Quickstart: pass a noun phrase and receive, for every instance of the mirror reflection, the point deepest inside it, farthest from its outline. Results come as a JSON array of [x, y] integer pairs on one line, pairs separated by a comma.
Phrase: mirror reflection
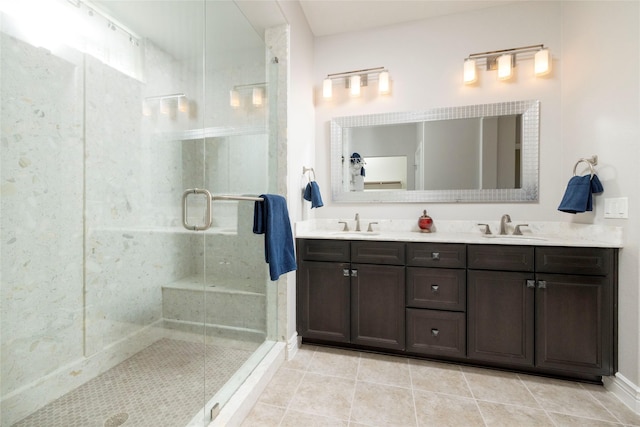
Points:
[[416, 156], [472, 153]]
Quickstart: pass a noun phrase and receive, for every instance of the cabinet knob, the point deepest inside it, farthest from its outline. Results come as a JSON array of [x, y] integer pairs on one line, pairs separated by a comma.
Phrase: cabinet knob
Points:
[[435, 332], [435, 255], [435, 288], [346, 272], [354, 273], [531, 283], [542, 284]]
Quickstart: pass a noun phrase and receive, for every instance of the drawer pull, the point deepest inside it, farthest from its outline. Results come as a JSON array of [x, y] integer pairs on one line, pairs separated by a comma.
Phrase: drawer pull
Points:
[[435, 255], [531, 283], [354, 273], [435, 288], [542, 284], [435, 332], [345, 272]]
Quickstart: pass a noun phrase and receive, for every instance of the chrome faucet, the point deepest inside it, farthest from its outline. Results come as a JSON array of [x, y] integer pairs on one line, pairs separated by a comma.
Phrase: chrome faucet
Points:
[[503, 224], [357, 222]]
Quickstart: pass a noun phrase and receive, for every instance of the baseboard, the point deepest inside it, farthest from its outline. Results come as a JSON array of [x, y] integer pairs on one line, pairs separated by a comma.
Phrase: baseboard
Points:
[[293, 345], [33, 396], [625, 390]]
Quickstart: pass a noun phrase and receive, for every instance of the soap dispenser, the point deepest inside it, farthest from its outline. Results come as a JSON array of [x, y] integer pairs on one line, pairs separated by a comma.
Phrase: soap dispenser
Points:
[[425, 222]]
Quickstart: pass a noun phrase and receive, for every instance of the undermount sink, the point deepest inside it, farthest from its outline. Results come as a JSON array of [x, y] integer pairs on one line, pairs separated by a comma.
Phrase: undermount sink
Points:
[[512, 237], [355, 233]]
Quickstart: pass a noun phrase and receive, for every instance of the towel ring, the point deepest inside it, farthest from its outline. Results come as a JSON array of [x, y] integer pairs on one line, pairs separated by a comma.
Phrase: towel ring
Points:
[[305, 170], [589, 162]]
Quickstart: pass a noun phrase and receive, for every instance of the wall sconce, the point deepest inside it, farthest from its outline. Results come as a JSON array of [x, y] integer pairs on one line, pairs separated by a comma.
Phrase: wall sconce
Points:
[[504, 60], [165, 103], [257, 94], [355, 80]]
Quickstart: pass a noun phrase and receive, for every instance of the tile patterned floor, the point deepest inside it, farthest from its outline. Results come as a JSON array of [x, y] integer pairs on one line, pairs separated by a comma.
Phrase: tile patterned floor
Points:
[[332, 387], [159, 386]]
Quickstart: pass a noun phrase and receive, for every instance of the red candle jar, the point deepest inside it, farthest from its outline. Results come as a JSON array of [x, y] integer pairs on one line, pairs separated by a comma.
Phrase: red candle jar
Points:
[[425, 223]]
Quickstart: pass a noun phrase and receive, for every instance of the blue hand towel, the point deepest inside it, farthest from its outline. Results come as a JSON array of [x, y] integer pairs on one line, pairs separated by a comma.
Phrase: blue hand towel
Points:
[[271, 218], [312, 194], [578, 196]]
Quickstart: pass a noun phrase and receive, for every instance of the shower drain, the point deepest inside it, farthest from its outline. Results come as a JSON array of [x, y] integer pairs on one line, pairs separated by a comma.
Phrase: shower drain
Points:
[[116, 420]]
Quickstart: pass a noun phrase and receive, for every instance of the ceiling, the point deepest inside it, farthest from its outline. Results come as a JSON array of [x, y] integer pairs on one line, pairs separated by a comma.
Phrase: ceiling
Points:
[[329, 17]]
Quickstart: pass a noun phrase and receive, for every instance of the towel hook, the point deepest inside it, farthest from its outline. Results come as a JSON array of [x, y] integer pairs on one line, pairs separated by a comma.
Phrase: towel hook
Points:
[[306, 169], [593, 160]]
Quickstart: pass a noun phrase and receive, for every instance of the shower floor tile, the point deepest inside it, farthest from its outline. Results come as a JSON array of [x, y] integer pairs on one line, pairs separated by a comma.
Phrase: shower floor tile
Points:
[[160, 386]]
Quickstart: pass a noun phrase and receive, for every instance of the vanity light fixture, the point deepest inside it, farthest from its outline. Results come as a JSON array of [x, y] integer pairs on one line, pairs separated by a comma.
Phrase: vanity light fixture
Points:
[[165, 103], [504, 61], [357, 79], [257, 94]]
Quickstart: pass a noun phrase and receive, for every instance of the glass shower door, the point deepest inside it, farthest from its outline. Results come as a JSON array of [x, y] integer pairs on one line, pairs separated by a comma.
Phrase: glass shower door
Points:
[[111, 311]]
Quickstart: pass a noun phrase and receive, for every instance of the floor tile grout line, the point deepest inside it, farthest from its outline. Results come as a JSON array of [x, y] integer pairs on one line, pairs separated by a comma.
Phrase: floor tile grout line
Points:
[[306, 371], [355, 387], [546, 412], [603, 405], [413, 394], [475, 400]]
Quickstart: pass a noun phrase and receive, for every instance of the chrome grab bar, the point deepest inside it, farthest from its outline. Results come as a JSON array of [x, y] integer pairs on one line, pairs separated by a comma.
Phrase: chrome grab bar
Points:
[[208, 220], [208, 210]]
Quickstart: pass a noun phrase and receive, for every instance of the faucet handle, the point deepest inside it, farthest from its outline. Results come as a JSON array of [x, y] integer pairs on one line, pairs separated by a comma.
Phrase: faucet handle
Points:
[[517, 231], [487, 230], [370, 229], [346, 226]]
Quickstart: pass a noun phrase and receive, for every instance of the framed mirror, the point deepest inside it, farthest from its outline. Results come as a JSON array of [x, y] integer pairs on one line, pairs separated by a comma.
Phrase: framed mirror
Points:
[[475, 153]]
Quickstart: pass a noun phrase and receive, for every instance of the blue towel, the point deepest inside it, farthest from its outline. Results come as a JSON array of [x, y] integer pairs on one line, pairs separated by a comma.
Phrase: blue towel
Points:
[[271, 218], [312, 194], [578, 196]]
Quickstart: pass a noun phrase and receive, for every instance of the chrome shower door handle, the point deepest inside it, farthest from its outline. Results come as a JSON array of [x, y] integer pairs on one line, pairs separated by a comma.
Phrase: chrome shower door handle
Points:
[[208, 220]]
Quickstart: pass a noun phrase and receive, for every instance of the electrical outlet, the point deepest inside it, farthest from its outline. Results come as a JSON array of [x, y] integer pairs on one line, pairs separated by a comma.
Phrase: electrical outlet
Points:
[[617, 207]]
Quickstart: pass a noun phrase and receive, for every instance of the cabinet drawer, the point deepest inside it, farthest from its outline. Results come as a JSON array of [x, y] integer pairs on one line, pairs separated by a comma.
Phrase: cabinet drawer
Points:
[[448, 255], [377, 252], [436, 332], [499, 257], [589, 261], [437, 288], [323, 250]]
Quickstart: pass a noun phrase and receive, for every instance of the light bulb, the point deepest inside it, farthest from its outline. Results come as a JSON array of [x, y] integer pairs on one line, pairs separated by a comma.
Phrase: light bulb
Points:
[[183, 104], [470, 75], [164, 106], [327, 88], [504, 67], [383, 83], [542, 62], [257, 96], [354, 85], [234, 98]]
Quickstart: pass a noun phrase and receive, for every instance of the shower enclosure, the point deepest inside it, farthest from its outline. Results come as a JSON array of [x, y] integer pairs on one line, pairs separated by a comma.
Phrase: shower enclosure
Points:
[[111, 312]]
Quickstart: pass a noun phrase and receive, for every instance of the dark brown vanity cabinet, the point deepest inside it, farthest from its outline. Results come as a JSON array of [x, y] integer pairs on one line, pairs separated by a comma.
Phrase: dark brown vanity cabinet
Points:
[[538, 309], [436, 299], [545, 307], [351, 292]]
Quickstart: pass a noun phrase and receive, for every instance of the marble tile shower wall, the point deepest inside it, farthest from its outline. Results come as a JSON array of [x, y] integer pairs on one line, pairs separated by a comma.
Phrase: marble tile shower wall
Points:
[[42, 231]]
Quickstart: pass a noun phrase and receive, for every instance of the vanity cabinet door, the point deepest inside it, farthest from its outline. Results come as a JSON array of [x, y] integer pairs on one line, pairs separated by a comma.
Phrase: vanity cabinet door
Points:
[[323, 300], [574, 323], [377, 306], [500, 316]]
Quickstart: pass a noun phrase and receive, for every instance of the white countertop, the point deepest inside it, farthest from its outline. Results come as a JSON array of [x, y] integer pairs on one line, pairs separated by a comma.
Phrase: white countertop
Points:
[[537, 233]]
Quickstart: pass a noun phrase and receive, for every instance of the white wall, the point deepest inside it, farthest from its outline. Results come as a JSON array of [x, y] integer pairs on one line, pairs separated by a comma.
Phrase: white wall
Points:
[[588, 106]]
